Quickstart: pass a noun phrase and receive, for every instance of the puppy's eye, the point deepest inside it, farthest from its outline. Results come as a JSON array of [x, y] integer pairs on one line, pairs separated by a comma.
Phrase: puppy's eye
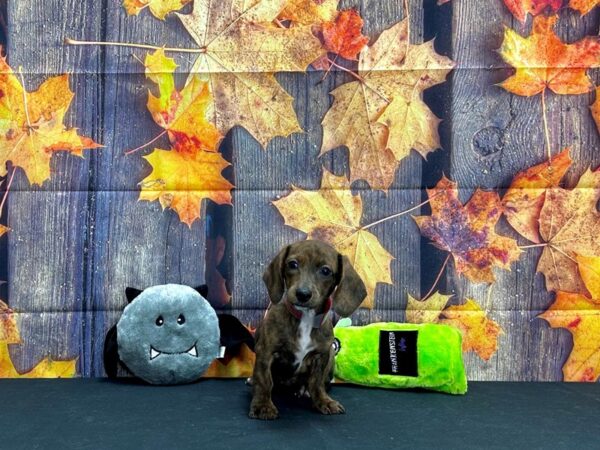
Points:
[[159, 321], [325, 271], [181, 319], [293, 264]]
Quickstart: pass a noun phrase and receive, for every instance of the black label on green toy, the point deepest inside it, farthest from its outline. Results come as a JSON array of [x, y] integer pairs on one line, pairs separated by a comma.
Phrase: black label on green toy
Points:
[[398, 353]]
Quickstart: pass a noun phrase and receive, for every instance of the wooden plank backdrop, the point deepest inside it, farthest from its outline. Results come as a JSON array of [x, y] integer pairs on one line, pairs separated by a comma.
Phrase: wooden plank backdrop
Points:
[[81, 238]]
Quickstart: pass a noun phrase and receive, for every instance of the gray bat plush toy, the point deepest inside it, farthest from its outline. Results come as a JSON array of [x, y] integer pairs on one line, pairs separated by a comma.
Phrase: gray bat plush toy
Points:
[[170, 334]]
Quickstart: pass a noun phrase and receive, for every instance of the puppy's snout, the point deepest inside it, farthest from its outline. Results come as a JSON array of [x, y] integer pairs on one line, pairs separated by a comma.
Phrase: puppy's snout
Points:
[[303, 294]]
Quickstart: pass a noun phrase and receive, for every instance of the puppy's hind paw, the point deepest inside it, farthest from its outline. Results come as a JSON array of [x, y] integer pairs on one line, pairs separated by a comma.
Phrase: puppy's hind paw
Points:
[[261, 411], [329, 407]]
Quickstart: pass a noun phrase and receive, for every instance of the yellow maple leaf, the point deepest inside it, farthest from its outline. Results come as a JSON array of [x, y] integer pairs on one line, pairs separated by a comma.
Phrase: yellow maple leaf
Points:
[[181, 179], [3, 230], [580, 314], [568, 223], [542, 61], [183, 114], [9, 334], [243, 49], [333, 214], [480, 334], [383, 116], [31, 125], [159, 8], [309, 12], [428, 310], [525, 197]]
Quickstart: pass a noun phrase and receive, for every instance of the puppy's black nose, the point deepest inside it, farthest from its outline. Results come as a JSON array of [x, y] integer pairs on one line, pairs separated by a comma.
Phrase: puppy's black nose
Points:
[[303, 295]]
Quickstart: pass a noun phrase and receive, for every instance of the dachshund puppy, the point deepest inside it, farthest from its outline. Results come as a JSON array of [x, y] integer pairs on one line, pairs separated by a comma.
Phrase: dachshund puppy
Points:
[[294, 342]]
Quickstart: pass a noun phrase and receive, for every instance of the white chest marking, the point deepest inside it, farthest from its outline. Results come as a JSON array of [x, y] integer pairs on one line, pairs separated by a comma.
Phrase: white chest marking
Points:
[[304, 344]]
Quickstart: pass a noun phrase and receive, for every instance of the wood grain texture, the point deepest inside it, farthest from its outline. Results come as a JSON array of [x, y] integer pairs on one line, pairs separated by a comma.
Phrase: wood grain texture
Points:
[[47, 247], [494, 135]]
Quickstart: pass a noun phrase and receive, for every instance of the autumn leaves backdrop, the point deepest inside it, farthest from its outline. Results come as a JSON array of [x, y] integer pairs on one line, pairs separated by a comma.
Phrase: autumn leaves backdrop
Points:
[[380, 117]]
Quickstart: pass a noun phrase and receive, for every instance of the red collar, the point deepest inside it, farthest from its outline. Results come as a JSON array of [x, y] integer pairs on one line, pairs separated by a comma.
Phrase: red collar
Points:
[[318, 319]]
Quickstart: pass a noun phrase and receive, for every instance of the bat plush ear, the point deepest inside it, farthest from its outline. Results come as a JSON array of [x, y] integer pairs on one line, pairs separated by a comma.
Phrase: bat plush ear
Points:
[[234, 334], [111, 353], [132, 293], [202, 290]]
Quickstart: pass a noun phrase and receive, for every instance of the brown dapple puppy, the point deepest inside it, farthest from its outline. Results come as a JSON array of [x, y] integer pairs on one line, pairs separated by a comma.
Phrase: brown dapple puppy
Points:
[[294, 342]]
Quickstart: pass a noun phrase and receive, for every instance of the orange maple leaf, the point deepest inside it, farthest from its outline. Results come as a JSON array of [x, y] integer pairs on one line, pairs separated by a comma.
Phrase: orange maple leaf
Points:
[[525, 197], [468, 232], [182, 178], [343, 35], [3, 230], [568, 224], [580, 314], [543, 61], [9, 334], [31, 125]]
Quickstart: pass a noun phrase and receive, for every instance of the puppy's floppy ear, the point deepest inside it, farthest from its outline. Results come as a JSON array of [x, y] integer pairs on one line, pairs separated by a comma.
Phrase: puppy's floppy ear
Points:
[[202, 290], [273, 276], [351, 290], [132, 293]]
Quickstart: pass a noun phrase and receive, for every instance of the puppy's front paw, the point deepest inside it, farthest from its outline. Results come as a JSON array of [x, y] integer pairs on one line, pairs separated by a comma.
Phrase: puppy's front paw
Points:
[[263, 411], [329, 406]]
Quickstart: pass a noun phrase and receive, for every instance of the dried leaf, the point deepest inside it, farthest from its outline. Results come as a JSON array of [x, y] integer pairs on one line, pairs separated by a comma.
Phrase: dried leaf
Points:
[[180, 180], [468, 232], [243, 48], [3, 230], [186, 114], [394, 75], [333, 214], [343, 35], [569, 224], [580, 315], [524, 199], [159, 8], [543, 61], [31, 125], [309, 12], [426, 311], [480, 334]]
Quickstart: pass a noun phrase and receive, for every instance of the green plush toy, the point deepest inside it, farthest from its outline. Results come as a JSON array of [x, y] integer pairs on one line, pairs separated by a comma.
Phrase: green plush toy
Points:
[[395, 355]]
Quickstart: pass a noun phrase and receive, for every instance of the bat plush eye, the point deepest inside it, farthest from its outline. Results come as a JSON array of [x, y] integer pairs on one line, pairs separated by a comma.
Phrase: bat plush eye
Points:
[[181, 319], [293, 264], [325, 271], [159, 321]]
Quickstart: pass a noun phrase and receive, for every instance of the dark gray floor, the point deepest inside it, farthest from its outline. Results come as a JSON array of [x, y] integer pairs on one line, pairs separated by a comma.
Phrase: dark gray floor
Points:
[[211, 414]]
